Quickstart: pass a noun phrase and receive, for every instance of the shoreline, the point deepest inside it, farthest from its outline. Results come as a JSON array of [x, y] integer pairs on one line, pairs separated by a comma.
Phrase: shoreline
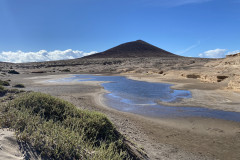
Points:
[[216, 98], [220, 99]]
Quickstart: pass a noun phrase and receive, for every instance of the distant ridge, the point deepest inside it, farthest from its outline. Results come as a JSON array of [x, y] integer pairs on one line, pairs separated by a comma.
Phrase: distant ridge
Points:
[[133, 49]]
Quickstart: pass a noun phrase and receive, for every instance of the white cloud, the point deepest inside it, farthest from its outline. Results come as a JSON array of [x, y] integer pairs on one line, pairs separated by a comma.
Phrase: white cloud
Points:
[[42, 55], [233, 52], [216, 53]]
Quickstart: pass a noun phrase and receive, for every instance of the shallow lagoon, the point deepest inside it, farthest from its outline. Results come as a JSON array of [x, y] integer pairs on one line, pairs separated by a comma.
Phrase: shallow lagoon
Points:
[[140, 98]]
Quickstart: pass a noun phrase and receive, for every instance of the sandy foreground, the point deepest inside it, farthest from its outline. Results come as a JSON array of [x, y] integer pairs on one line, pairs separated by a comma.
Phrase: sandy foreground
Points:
[[181, 138], [9, 148]]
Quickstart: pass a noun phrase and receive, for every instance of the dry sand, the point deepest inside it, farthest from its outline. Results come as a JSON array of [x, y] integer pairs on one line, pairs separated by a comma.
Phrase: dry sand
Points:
[[9, 148], [182, 138]]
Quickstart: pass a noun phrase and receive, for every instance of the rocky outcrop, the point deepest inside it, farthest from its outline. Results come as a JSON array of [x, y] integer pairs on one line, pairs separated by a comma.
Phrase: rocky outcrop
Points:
[[234, 83], [221, 78], [208, 77], [233, 55], [231, 61]]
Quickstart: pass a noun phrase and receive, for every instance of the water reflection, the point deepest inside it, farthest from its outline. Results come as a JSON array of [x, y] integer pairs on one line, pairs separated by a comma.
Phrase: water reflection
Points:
[[140, 98]]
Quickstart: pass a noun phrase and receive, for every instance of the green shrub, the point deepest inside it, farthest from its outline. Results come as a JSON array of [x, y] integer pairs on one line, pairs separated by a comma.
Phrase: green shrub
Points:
[[66, 70], [4, 83], [58, 130], [13, 72], [3, 91], [19, 86], [15, 91]]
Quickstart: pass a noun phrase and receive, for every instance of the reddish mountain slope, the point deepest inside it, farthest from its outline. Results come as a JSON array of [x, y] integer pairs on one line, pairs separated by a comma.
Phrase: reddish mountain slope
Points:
[[133, 49]]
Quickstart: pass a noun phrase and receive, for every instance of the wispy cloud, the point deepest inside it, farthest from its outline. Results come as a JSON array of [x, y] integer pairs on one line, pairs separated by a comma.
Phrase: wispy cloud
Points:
[[189, 48], [42, 55], [173, 3], [184, 2]]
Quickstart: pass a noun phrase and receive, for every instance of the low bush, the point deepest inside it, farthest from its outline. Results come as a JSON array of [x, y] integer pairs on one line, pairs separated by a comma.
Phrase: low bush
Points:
[[3, 91], [19, 86], [58, 130], [4, 83], [39, 72], [15, 91], [13, 72], [66, 70]]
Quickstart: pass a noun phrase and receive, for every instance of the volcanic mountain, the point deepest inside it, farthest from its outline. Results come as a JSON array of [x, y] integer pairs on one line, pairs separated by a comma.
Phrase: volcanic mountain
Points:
[[133, 49]]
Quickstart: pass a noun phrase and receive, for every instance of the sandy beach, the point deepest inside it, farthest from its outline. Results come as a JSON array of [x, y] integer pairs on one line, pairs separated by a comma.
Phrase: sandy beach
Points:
[[179, 138]]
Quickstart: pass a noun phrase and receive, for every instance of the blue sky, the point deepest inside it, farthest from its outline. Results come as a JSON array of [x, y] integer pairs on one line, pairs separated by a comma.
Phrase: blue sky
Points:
[[73, 28]]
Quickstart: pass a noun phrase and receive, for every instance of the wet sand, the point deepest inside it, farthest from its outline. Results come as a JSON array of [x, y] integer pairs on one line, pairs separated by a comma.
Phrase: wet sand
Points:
[[181, 138]]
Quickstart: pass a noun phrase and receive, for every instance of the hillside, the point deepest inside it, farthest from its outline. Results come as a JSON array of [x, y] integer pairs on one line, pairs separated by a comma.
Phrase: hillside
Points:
[[133, 49], [229, 67]]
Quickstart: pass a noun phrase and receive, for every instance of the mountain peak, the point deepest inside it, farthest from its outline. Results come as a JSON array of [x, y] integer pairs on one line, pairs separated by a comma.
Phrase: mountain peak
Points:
[[139, 41], [134, 49]]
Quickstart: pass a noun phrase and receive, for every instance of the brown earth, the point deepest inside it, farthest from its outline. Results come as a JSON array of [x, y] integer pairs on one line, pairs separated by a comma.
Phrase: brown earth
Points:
[[133, 49]]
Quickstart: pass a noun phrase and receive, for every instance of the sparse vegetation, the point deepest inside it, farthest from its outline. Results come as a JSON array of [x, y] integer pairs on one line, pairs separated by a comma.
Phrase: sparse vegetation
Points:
[[194, 76], [16, 91], [39, 71], [3, 91], [4, 83], [13, 72], [58, 130], [66, 70], [19, 86]]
